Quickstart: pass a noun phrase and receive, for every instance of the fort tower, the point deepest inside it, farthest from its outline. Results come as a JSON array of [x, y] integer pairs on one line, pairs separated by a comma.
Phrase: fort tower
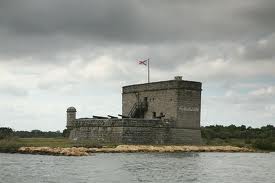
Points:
[[176, 100], [71, 117]]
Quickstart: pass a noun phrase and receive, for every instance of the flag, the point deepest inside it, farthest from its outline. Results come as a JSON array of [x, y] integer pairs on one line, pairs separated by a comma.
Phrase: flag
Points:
[[146, 63], [142, 62]]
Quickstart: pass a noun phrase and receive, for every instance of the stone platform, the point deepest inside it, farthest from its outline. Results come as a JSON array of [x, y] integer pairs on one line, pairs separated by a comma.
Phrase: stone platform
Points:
[[132, 131]]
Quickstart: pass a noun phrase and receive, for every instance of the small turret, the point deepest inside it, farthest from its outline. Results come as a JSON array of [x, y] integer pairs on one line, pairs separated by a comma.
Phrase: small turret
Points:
[[179, 78], [71, 116]]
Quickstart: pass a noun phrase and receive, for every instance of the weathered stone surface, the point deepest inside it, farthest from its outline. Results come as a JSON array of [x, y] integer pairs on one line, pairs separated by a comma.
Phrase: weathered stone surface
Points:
[[133, 131], [71, 116], [176, 102]]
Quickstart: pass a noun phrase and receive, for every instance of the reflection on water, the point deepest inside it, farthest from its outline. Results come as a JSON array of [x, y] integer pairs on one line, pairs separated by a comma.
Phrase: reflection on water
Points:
[[139, 167]]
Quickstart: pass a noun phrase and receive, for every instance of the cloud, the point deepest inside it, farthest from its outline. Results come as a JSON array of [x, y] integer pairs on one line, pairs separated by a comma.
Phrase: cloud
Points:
[[11, 90], [65, 52], [263, 49], [251, 108], [267, 91], [37, 27]]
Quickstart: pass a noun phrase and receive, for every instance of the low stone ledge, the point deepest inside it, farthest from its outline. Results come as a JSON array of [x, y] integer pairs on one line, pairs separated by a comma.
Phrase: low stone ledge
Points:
[[73, 151], [81, 151], [170, 149]]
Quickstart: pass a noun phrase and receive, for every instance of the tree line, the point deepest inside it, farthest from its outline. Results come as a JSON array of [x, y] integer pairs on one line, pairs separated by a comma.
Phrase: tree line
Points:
[[261, 138], [6, 132], [239, 132], [208, 132]]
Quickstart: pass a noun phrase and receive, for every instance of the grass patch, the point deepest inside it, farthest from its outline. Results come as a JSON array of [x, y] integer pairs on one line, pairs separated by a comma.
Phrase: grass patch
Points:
[[10, 145], [49, 142], [261, 144], [265, 144], [228, 141]]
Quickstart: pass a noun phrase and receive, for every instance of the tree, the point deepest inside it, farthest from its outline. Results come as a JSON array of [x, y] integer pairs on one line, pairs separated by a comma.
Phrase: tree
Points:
[[66, 133], [5, 132]]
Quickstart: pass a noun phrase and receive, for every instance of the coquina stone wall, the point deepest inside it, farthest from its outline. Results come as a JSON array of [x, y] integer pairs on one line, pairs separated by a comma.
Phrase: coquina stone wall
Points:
[[177, 100], [169, 114], [132, 131]]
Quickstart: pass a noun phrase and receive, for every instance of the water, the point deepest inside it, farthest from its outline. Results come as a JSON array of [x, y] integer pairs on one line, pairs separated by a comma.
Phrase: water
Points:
[[139, 167]]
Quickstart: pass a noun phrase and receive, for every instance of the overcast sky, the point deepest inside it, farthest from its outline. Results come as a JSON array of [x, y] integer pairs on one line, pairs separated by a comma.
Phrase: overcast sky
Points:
[[60, 53]]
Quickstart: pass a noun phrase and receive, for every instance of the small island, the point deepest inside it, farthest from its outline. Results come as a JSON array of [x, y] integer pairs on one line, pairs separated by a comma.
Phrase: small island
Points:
[[214, 139], [160, 116]]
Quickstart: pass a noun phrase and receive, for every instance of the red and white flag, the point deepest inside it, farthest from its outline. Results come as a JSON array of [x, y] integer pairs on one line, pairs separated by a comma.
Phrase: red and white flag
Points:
[[146, 63], [143, 62]]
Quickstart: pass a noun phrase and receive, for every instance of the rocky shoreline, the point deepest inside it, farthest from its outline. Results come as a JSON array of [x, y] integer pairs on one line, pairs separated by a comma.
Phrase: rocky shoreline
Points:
[[81, 151], [56, 151]]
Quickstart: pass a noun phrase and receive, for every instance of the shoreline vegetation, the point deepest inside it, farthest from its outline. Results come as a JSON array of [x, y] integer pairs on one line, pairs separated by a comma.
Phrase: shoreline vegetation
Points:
[[214, 139], [65, 147]]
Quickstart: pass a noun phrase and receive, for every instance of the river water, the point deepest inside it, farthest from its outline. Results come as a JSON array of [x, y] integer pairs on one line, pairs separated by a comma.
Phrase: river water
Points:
[[139, 167]]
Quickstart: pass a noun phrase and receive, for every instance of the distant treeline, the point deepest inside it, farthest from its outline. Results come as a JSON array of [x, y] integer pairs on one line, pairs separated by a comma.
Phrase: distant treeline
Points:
[[8, 132], [37, 133], [261, 138], [208, 132], [239, 132]]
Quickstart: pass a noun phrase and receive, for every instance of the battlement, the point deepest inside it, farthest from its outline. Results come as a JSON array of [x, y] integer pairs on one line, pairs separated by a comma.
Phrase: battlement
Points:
[[163, 85], [126, 122]]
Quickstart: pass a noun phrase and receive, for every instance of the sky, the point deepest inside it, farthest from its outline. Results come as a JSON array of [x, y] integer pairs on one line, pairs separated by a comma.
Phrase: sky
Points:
[[57, 54]]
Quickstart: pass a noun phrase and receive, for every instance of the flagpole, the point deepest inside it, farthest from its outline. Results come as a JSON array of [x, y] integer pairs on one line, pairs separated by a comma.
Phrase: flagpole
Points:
[[148, 70]]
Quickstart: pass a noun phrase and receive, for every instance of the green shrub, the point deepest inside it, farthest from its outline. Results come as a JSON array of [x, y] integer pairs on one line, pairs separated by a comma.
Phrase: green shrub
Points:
[[9, 145], [247, 141], [5, 132], [66, 133], [264, 144]]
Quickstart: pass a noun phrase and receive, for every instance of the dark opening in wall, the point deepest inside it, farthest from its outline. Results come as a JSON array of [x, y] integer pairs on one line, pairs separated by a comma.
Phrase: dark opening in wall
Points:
[[145, 99], [154, 114]]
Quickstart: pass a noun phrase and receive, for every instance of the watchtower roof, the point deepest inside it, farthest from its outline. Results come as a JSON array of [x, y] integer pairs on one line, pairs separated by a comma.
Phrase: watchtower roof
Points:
[[71, 109]]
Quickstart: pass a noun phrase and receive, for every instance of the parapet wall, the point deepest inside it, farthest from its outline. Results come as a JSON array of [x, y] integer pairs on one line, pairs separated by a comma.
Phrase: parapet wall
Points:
[[125, 122], [163, 85], [132, 131]]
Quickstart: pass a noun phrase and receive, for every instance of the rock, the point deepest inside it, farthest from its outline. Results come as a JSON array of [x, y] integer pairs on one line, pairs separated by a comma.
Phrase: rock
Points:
[[81, 151], [55, 151]]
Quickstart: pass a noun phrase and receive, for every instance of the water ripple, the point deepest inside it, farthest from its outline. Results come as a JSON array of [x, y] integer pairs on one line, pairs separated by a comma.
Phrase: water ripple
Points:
[[139, 167]]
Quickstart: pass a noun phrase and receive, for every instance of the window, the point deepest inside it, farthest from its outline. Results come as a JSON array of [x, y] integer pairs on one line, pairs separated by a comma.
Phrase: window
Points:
[[154, 114]]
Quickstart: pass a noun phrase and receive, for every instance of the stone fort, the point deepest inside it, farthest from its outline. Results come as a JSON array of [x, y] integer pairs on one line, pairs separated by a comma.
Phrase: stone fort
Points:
[[165, 112]]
